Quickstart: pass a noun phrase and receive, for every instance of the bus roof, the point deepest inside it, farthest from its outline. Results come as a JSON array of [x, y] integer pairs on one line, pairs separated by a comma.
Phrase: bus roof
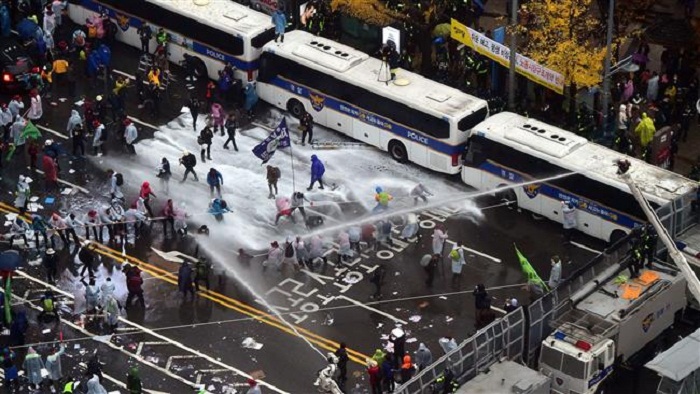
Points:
[[570, 151], [358, 68], [225, 15]]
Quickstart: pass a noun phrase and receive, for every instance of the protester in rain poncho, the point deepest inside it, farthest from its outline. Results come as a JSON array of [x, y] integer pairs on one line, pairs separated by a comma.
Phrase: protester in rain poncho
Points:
[[411, 227], [218, 208], [344, 249], [275, 255], [645, 130], [439, 238], [92, 295], [355, 234], [316, 248], [107, 290], [457, 261], [181, 219], [111, 310], [22, 194], [53, 365], [33, 366], [302, 252], [290, 254], [384, 232], [420, 192], [423, 356], [284, 208], [94, 386]]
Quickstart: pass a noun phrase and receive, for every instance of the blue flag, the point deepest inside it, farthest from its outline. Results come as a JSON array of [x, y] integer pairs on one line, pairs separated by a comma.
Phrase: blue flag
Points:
[[279, 138]]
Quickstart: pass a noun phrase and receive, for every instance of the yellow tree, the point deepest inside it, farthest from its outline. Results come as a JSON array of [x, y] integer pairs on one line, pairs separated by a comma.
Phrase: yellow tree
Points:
[[371, 11], [567, 37]]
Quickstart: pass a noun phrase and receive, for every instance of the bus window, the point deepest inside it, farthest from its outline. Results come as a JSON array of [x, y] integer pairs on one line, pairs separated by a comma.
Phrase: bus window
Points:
[[262, 38], [469, 121], [474, 155], [269, 67]]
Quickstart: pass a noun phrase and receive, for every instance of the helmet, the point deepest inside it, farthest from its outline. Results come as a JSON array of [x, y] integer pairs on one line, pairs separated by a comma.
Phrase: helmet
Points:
[[378, 189], [98, 98], [127, 122], [22, 178], [95, 123], [48, 142], [185, 152]]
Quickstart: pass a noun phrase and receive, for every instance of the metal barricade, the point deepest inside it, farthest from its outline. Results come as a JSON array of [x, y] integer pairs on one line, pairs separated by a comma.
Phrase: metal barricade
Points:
[[502, 338], [555, 303], [517, 335]]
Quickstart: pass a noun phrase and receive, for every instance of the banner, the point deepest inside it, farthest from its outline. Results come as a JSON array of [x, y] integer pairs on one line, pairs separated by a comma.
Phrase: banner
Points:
[[501, 54], [529, 271], [279, 138]]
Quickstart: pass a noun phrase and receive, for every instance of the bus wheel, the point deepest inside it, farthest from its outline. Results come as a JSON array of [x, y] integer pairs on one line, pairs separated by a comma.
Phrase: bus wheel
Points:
[[616, 236], [508, 197], [398, 151], [295, 107]]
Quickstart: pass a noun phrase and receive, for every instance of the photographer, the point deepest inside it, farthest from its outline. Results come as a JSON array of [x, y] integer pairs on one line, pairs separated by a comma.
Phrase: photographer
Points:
[[390, 57]]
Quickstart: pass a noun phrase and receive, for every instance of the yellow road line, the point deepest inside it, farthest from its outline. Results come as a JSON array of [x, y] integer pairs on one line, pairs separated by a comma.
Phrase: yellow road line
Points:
[[220, 299]]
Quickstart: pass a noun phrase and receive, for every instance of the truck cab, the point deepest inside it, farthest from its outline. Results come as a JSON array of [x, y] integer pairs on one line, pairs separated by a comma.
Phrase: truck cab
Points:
[[576, 361]]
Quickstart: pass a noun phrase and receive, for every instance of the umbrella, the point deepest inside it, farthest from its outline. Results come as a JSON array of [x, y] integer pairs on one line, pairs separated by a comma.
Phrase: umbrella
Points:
[[10, 260], [31, 132]]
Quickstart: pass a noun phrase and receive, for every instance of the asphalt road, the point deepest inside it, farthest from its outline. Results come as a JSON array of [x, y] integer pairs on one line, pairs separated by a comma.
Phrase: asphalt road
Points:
[[179, 343]]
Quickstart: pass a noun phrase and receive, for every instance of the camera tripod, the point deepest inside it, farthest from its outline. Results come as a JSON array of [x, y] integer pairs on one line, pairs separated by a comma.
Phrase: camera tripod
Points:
[[384, 68]]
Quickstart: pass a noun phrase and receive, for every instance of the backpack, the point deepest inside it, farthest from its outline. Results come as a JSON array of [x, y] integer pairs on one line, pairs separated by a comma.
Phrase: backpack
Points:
[[276, 172], [134, 281], [120, 179], [289, 251], [48, 304]]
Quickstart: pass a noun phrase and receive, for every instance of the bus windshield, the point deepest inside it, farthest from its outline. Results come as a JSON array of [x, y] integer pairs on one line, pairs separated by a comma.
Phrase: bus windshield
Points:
[[469, 121], [262, 38]]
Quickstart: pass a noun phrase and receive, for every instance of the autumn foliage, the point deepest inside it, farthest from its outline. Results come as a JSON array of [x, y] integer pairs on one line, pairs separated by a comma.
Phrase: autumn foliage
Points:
[[370, 11], [567, 37]]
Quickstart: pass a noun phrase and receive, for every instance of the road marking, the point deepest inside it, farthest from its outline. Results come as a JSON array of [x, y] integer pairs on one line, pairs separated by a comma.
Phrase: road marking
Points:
[[52, 131], [482, 254], [114, 70], [194, 352], [584, 247], [137, 120], [369, 308], [220, 299], [231, 303], [82, 189], [93, 336], [172, 256]]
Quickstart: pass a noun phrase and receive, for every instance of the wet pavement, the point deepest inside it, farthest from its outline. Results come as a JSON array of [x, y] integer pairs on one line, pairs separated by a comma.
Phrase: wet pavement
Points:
[[180, 343]]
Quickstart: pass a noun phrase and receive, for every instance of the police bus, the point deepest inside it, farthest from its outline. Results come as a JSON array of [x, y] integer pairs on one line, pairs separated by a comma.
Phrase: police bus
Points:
[[509, 148], [415, 119], [218, 33]]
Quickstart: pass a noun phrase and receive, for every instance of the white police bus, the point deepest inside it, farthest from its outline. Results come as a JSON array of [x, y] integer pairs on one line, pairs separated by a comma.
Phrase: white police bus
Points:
[[218, 33], [509, 148], [423, 122]]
